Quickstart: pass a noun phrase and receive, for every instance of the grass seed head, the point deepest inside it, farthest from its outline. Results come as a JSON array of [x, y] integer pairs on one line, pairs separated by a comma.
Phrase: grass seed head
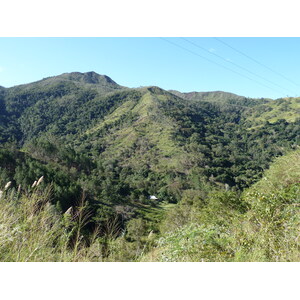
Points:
[[7, 185], [40, 180], [69, 211]]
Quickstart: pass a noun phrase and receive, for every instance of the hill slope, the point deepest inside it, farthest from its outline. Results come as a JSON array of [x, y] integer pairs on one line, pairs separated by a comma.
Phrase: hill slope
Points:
[[261, 225], [281, 109]]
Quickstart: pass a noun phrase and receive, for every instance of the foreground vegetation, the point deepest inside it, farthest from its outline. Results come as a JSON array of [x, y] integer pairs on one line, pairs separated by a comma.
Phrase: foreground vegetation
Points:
[[261, 224], [32, 229]]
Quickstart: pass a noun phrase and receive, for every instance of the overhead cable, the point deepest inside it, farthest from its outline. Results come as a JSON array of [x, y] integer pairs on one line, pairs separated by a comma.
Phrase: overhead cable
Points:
[[220, 65], [256, 61], [235, 64]]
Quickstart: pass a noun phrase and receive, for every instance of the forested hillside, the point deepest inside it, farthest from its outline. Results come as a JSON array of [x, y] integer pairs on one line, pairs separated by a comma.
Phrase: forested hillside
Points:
[[105, 149]]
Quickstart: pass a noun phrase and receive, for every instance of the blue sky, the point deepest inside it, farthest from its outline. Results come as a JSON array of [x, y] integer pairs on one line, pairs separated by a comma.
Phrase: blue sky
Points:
[[180, 65]]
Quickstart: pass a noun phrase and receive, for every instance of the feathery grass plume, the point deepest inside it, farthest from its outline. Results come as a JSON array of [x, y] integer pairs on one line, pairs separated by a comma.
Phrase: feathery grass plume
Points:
[[32, 229], [82, 218], [19, 188], [7, 185], [34, 184], [40, 180], [150, 234], [29, 234], [1, 193], [68, 211]]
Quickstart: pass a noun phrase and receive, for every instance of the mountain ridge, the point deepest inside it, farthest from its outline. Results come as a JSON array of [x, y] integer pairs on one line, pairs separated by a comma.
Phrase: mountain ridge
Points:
[[93, 78], [204, 95]]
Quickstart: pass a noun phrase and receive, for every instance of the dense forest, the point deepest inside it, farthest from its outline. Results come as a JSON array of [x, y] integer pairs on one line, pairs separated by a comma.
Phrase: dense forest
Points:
[[224, 170]]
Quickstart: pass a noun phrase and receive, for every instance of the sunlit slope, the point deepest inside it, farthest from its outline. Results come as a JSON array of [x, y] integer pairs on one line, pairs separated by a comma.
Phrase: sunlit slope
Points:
[[217, 96], [284, 172], [138, 132], [284, 108]]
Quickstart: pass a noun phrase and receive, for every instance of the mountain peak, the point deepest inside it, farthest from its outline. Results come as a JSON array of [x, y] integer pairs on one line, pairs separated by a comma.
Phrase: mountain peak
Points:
[[102, 83], [88, 77]]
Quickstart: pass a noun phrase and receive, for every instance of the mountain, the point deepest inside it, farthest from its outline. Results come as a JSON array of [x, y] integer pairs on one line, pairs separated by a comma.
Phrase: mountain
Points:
[[153, 141], [194, 134], [114, 147]]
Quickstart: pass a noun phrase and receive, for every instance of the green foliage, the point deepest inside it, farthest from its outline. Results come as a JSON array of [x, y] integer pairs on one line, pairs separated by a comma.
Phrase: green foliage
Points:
[[272, 223], [195, 242], [269, 230], [260, 225], [284, 172]]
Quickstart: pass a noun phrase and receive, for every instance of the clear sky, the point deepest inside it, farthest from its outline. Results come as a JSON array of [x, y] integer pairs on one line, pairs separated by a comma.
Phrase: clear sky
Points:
[[189, 64]]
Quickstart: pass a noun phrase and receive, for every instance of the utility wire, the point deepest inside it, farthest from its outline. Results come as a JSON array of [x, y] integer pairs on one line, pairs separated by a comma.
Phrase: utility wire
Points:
[[235, 64], [259, 63], [205, 58]]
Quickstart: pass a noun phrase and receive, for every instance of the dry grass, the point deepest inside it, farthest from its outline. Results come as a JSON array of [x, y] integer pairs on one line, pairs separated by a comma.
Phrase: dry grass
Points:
[[31, 229]]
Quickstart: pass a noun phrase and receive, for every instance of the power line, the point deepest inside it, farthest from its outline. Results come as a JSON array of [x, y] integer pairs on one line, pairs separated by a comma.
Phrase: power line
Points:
[[259, 63], [235, 64], [211, 61]]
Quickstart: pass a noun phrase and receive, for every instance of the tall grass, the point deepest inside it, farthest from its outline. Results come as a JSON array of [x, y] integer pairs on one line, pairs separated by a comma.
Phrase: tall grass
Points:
[[270, 230], [31, 229]]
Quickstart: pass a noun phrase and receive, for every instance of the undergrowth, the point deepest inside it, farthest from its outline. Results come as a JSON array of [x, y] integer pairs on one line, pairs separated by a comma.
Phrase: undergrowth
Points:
[[260, 224]]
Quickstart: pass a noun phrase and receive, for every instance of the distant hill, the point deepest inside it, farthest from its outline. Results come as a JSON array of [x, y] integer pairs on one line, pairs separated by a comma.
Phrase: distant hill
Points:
[[208, 96], [281, 109], [220, 98]]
